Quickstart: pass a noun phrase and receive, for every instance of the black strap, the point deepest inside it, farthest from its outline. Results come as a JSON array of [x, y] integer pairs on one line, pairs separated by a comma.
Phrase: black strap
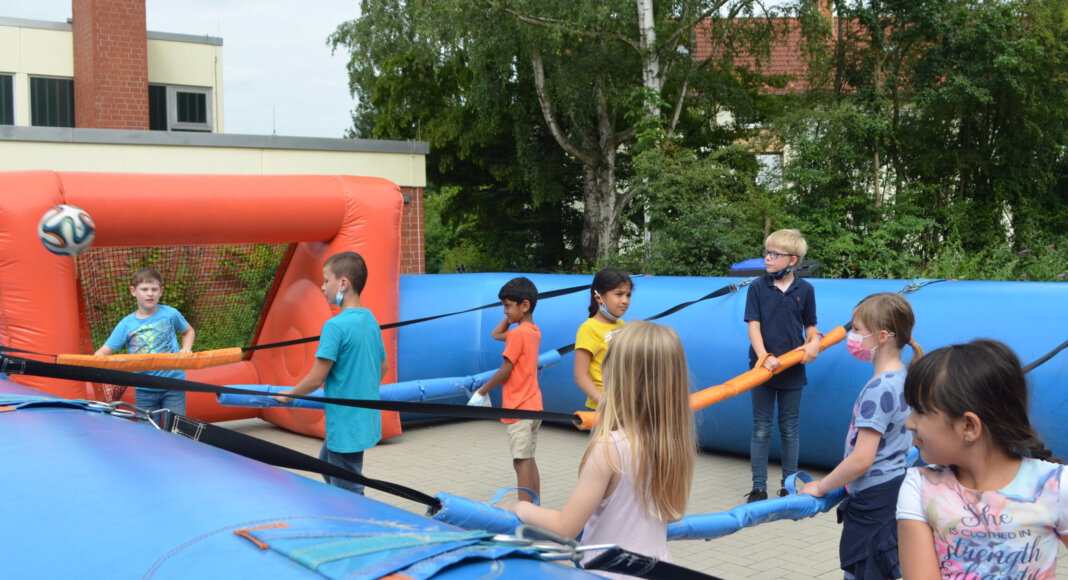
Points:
[[621, 561], [279, 456], [21, 351], [22, 366], [722, 291], [541, 296], [1042, 359]]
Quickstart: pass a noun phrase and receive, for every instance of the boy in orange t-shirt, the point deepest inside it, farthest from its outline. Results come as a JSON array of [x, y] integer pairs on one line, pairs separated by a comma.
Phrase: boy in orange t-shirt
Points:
[[519, 375]]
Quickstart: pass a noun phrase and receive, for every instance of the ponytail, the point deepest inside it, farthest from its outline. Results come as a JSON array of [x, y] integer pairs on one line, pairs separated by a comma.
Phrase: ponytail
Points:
[[917, 350], [1034, 447]]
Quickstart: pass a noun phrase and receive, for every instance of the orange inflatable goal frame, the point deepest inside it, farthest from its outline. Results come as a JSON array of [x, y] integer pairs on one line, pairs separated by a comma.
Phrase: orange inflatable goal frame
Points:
[[321, 214]]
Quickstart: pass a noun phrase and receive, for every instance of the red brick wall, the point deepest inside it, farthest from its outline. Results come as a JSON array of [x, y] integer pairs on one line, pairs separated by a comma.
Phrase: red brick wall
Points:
[[110, 64], [412, 250]]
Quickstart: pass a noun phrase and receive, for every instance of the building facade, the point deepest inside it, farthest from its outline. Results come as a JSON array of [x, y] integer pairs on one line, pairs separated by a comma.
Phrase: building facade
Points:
[[102, 93]]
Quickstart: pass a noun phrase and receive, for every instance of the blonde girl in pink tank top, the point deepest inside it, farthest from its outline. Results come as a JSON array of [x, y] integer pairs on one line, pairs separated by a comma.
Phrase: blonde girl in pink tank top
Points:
[[635, 475]]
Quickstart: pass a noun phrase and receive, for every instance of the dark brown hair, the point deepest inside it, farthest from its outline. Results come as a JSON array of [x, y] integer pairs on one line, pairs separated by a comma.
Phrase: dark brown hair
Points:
[[605, 281], [349, 265], [985, 378], [519, 289], [145, 275]]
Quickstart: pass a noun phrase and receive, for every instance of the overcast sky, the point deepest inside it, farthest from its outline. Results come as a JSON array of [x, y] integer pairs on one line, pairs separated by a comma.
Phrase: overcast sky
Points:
[[278, 74]]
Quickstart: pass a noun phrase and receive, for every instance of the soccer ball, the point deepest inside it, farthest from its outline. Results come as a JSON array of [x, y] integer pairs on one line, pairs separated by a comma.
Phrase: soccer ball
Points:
[[66, 230]]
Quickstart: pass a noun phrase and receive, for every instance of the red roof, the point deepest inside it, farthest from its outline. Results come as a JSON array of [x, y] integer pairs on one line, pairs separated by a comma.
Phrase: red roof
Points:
[[786, 56]]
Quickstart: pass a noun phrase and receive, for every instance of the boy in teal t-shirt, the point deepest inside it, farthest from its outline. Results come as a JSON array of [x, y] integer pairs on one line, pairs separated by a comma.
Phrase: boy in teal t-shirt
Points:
[[350, 364]]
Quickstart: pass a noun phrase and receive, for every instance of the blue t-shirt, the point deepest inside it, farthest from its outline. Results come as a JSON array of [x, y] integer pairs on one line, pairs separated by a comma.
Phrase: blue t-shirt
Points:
[[783, 317], [353, 341], [881, 406], [157, 333]]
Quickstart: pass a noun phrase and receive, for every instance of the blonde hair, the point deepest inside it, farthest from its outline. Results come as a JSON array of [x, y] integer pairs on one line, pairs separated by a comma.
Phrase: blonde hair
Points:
[[790, 240], [890, 311], [647, 397]]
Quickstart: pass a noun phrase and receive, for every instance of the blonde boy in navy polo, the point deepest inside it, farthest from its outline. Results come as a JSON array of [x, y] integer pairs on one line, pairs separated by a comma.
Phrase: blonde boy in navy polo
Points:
[[781, 313]]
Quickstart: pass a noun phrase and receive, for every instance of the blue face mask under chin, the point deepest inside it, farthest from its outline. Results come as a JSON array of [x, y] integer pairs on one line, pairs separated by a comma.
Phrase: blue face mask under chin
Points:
[[607, 314], [339, 297], [778, 275]]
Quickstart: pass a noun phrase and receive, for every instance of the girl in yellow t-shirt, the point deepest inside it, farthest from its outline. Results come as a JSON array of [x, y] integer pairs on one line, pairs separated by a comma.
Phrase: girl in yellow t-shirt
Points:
[[609, 301]]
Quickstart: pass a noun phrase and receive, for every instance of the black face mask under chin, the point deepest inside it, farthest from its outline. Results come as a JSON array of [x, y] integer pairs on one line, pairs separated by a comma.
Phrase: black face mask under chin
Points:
[[778, 275]]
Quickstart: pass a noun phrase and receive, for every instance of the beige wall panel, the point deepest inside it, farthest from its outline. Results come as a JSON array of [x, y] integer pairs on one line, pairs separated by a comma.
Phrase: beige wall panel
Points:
[[9, 49], [406, 170], [46, 52], [184, 63], [189, 64]]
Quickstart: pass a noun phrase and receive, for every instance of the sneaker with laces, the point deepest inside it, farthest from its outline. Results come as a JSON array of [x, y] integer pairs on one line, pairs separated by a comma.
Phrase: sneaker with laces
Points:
[[783, 492], [756, 495]]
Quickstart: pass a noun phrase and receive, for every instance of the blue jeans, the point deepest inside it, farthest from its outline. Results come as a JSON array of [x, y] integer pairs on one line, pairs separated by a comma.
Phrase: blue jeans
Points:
[[155, 400], [350, 461], [790, 444]]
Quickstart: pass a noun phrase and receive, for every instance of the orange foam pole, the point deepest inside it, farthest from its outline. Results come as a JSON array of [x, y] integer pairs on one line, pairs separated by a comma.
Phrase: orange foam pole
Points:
[[158, 361], [586, 420], [758, 376]]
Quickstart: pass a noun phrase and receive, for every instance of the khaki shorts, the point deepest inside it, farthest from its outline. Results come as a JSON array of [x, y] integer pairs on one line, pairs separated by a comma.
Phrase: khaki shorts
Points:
[[523, 438]]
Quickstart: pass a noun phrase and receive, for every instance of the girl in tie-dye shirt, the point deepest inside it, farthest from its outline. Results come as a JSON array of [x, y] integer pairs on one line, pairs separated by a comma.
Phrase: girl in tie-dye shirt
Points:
[[991, 504]]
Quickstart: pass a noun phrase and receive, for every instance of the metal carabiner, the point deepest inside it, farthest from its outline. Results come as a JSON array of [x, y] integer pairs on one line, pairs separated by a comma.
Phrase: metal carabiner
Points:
[[130, 411], [554, 546]]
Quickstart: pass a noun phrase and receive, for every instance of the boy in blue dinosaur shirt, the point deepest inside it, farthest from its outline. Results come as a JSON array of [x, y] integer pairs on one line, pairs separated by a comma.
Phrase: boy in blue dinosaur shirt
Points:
[[153, 327]]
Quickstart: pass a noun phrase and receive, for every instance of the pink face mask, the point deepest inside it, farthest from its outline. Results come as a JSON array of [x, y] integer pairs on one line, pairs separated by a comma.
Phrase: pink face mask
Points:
[[853, 344]]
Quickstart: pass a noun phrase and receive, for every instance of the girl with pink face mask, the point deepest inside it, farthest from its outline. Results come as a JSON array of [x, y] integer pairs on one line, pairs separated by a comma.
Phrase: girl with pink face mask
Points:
[[877, 443]]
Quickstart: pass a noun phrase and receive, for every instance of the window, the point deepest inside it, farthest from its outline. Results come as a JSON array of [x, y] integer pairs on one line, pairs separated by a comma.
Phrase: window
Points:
[[157, 108], [51, 102], [172, 108], [769, 174], [7, 100]]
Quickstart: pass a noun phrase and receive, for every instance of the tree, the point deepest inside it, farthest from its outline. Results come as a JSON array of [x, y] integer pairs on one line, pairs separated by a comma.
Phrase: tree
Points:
[[461, 74], [706, 210], [990, 96], [507, 189], [943, 126]]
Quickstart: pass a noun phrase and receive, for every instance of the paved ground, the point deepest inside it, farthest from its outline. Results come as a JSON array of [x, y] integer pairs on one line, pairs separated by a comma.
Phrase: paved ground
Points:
[[471, 459]]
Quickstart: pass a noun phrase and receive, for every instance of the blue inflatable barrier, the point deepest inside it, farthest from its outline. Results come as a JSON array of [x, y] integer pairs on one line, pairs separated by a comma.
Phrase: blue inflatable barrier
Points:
[[95, 496], [1024, 315]]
